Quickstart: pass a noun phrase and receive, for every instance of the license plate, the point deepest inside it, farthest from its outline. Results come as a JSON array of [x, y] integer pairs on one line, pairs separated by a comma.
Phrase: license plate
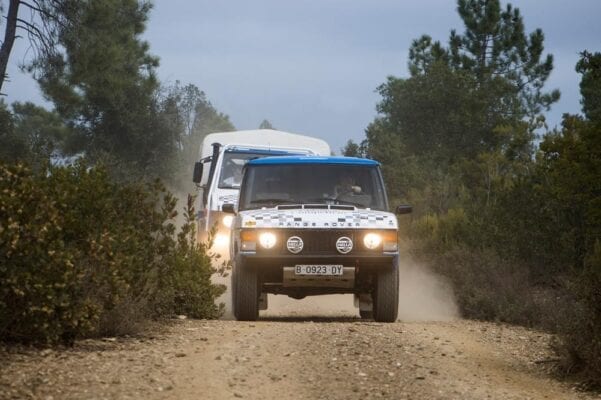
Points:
[[313, 269]]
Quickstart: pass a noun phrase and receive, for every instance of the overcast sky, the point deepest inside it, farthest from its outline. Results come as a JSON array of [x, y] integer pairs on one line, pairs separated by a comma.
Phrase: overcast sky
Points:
[[312, 66]]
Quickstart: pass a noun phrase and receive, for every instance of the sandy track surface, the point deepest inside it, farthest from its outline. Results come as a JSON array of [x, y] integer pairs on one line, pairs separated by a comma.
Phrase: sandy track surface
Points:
[[299, 357]]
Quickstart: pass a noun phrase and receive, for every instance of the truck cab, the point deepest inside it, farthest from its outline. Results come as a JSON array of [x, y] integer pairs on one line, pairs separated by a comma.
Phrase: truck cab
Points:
[[218, 173], [308, 225]]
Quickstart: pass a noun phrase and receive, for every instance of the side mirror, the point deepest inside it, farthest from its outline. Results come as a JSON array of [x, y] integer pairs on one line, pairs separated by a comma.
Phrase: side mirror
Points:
[[196, 178], [228, 208], [403, 209]]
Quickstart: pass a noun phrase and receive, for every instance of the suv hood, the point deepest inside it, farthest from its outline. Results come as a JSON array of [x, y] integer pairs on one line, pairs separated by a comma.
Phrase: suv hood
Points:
[[316, 217]]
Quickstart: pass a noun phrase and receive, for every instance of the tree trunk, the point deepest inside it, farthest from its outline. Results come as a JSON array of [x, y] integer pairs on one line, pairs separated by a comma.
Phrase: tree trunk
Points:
[[9, 38]]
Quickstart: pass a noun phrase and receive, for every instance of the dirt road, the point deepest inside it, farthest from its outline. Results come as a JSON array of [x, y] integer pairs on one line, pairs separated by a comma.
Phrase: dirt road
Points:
[[302, 357]]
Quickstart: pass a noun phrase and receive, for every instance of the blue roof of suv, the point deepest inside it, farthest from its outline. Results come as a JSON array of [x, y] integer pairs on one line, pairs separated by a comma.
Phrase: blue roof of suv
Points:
[[312, 160]]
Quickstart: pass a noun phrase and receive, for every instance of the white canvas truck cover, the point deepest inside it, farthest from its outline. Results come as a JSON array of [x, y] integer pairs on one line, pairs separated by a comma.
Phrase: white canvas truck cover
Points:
[[264, 138]]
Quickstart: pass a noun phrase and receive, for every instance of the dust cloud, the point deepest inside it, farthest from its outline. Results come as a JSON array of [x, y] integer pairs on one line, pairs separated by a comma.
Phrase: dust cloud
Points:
[[424, 295], [334, 305]]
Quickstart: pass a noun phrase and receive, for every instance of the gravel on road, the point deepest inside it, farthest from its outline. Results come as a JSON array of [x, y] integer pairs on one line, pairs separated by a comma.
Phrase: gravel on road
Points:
[[294, 358]]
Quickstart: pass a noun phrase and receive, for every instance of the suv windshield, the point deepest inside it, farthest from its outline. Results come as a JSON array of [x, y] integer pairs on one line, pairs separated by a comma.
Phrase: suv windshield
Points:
[[271, 185]]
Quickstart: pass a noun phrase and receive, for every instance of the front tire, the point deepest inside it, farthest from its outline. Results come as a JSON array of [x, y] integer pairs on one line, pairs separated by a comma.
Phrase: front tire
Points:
[[386, 296], [245, 293]]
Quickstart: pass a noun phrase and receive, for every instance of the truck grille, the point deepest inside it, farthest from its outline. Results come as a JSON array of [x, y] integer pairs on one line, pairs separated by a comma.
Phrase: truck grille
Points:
[[319, 241]]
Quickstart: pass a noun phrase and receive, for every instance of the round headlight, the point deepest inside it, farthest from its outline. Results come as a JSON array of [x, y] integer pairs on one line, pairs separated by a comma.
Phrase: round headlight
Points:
[[372, 240], [267, 240], [227, 221]]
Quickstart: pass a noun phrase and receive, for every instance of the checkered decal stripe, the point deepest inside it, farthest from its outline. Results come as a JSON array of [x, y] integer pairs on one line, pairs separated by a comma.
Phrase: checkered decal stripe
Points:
[[318, 219]]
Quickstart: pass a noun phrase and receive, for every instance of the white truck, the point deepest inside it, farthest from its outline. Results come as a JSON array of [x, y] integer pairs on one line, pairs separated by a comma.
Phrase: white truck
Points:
[[224, 154]]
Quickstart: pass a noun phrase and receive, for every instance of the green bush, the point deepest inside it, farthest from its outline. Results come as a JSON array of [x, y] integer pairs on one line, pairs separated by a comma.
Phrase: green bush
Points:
[[582, 325], [80, 254], [186, 283], [488, 284], [487, 287], [443, 230]]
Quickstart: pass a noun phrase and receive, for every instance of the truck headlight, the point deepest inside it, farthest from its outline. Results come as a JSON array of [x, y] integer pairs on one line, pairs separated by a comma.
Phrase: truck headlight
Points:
[[227, 221], [385, 240], [372, 240], [267, 240], [221, 240]]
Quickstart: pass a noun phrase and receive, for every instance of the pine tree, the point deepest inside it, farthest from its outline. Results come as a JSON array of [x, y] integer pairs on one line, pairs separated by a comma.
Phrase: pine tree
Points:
[[103, 83]]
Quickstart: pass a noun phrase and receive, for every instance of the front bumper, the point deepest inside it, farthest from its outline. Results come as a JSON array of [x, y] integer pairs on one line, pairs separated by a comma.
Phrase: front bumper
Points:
[[274, 272], [266, 262]]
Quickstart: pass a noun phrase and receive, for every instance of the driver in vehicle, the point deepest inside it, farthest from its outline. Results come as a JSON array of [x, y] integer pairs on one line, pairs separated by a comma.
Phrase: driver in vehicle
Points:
[[346, 186], [234, 175], [349, 192]]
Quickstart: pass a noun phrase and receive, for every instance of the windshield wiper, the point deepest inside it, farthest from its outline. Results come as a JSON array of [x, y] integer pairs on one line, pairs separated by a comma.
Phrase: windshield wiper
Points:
[[351, 203], [337, 200], [327, 198]]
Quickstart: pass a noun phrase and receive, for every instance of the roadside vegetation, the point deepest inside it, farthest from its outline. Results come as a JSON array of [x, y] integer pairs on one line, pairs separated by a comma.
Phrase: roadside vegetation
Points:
[[83, 256], [89, 243], [507, 209]]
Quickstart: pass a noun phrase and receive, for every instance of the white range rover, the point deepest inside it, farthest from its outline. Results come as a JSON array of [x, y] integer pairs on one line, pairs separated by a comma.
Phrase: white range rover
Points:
[[308, 225]]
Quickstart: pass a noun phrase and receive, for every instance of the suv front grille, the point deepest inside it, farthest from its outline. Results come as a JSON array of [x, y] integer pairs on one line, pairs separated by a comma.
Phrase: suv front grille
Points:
[[319, 241]]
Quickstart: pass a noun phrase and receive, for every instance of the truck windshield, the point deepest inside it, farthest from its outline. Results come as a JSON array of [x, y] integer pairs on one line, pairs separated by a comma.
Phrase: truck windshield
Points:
[[271, 185], [231, 168]]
